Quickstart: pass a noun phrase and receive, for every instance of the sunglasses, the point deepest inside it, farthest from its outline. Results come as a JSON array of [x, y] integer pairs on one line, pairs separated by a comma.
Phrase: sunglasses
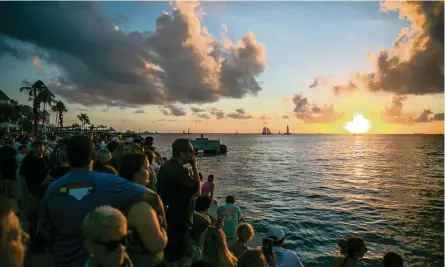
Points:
[[112, 245]]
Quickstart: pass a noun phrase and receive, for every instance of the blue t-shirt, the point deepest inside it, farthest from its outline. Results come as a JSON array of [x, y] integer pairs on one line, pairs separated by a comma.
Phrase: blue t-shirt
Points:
[[70, 198]]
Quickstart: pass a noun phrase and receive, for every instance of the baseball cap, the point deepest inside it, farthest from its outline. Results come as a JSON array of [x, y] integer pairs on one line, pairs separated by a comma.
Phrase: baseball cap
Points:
[[115, 139], [276, 233]]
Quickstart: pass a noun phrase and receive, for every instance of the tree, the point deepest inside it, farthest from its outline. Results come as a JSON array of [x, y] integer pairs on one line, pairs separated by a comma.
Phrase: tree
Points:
[[47, 98], [59, 108], [84, 120], [34, 91], [10, 112]]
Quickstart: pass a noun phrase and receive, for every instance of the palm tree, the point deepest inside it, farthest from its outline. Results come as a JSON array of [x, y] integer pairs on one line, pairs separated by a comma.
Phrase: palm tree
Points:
[[47, 98], [84, 120], [59, 108], [75, 125], [34, 90]]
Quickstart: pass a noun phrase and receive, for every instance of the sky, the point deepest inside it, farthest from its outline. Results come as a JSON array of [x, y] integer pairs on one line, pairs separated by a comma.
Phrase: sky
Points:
[[223, 67]]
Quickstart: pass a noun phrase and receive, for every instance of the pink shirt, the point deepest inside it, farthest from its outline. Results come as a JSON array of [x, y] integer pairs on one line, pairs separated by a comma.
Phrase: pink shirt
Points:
[[207, 187]]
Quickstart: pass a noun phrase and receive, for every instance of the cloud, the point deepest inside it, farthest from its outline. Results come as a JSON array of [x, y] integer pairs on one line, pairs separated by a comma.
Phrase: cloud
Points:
[[415, 64], [36, 63], [238, 116], [203, 116], [312, 113], [424, 116], [178, 62], [317, 81], [438, 117], [285, 117], [173, 110], [197, 109], [396, 106], [219, 114], [240, 110], [138, 111]]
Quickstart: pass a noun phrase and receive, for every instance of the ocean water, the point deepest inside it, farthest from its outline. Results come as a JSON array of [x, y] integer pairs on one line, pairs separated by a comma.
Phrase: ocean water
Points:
[[388, 189]]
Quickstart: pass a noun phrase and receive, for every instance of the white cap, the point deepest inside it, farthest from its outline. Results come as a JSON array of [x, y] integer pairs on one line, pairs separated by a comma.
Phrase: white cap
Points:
[[276, 233], [115, 139]]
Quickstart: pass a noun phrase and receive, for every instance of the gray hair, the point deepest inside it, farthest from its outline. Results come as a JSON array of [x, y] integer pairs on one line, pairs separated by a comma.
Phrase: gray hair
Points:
[[101, 221]]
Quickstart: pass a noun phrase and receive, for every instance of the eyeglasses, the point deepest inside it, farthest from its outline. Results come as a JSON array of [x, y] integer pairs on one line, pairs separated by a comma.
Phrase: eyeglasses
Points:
[[112, 245]]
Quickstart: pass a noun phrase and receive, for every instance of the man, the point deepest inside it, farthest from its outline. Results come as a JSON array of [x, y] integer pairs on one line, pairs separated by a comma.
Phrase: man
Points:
[[177, 187], [231, 215], [33, 172], [284, 257], [148, 145], [70, 198]]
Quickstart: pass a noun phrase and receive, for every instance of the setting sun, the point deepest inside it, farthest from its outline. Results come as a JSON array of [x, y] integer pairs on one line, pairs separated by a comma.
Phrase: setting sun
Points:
[[358, 125]]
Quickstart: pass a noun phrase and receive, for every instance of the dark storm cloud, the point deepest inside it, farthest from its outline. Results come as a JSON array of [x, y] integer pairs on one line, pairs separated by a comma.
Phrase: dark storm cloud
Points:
[[424, 117], [197, 109], [438, 117], [415, 63], [312, 113], [173, 110], [203, 116], [137, 68]]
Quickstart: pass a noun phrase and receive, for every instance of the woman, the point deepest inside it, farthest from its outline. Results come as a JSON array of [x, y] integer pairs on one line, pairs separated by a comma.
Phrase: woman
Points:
[[351, 250], [208, 187], [12, 237], [148, 239], [105, 238], [214, 250], [244, 234], [153, 177]]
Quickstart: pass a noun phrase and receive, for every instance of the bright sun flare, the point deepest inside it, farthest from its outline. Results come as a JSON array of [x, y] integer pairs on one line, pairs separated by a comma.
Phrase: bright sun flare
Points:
[[358, 125]]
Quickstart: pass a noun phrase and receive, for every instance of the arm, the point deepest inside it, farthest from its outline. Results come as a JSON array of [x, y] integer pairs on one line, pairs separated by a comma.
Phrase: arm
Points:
[[156, 204], [196, 177], [143, 218], [211, 191]]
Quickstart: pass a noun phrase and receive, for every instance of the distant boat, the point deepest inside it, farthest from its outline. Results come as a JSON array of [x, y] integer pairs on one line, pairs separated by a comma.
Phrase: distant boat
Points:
[[279, 132], [287, 131], [266, 131], [188, 131], [236, 132]]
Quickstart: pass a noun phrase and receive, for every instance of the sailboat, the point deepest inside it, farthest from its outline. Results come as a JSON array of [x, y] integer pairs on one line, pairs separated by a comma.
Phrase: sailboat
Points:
[[188, 131], [266, 131], [287, 131], [236, 132]]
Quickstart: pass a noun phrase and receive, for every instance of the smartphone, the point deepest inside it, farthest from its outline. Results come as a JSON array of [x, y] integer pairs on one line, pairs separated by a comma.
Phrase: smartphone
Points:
[[267, 246]]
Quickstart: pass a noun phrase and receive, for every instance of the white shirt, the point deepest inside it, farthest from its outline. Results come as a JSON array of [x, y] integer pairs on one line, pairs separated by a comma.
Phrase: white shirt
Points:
[[286, 258]]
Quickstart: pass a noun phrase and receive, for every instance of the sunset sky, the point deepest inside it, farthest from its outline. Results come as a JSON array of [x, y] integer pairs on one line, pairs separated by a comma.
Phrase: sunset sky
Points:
[[228, 66]]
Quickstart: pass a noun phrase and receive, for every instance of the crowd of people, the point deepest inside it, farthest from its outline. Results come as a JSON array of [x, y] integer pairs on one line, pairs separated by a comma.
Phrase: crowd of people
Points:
[[103, 202]]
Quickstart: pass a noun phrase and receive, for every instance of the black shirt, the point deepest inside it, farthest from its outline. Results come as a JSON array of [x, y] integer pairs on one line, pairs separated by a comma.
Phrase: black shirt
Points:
[[34, 170], [176, 189]]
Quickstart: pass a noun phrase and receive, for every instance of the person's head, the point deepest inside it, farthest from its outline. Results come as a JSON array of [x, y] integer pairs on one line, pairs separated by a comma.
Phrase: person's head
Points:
[[105, 236], [183, 150], [202, 203], [103, 156], [112, 146], [12, 237], [276, 233], [214, 248], [150, 156], [230, 199], [252, 258], [135, 167], [131, 148], [19, 139], [148, 141], [22, 149], [392, 259], [37, 149], [211, 178], [81, 152], [353, 247], [245, 233]]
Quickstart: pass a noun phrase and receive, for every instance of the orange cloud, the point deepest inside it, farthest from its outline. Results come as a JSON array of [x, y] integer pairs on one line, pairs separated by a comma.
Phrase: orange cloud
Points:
[[36, 63]]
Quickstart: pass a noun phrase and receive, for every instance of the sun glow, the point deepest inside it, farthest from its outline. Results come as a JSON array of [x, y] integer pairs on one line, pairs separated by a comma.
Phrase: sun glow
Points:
[[358, 125]]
